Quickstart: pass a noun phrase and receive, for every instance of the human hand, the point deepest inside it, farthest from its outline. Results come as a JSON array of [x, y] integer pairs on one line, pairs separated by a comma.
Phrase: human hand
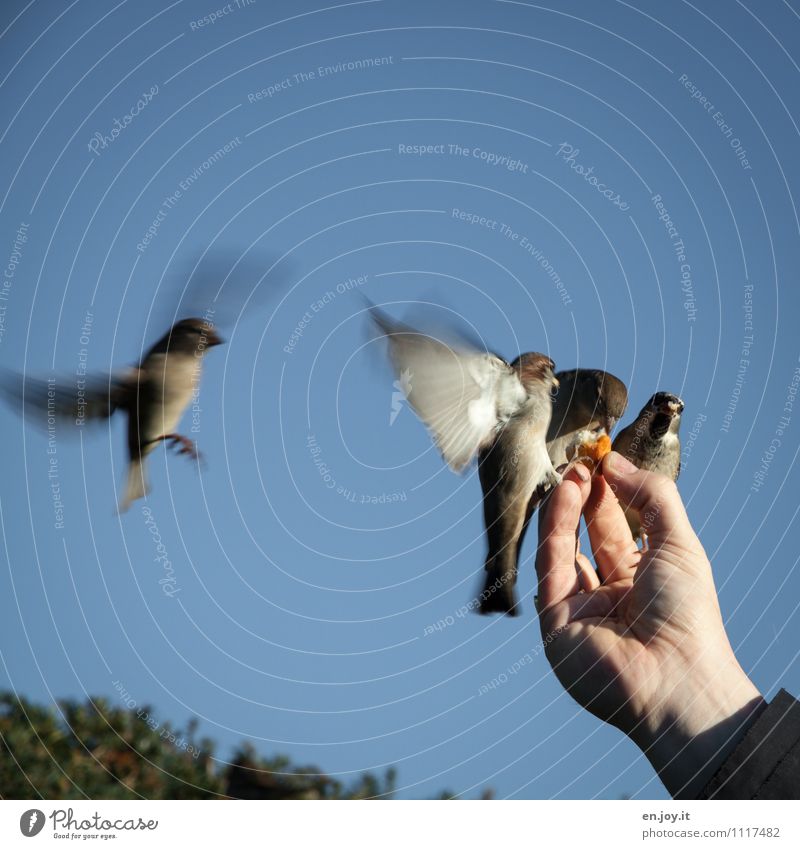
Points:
[[640, 643]]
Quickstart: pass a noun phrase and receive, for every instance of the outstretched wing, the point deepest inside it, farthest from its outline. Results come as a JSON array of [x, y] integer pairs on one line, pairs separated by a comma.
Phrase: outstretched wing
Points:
[[462, 394], [81, 399]]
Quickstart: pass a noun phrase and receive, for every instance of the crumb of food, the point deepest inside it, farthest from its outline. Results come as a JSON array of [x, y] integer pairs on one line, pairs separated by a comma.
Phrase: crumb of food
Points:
[[589, 448]]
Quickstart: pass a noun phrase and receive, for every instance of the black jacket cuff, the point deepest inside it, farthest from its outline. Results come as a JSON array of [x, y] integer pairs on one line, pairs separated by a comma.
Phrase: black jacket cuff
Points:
[[766, 763]]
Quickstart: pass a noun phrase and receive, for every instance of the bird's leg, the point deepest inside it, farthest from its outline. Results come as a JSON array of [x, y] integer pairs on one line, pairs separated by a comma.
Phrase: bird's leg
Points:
[[187, 446], [551, 481]]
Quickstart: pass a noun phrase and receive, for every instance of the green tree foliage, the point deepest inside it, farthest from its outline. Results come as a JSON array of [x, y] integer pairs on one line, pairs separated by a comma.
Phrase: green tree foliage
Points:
[[92, 750]]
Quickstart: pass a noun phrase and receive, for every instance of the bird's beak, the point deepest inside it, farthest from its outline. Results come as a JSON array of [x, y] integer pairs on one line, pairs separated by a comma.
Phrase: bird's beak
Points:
[[672, 408], [213, 338], [608, 423]]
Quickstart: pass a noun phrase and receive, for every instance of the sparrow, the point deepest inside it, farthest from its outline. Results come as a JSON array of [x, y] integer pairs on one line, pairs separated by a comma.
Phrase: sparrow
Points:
[[651, 442], [476, 404], [153, 395], [587, 399]]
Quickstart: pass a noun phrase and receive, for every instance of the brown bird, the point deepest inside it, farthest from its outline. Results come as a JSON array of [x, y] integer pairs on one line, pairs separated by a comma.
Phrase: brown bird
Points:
[[154, 395], [477, 405], [651, 442], [587, 399]]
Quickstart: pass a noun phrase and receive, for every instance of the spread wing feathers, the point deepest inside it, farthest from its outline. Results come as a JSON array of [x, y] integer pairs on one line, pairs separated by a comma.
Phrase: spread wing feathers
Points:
[[462, 394], [80, 399]]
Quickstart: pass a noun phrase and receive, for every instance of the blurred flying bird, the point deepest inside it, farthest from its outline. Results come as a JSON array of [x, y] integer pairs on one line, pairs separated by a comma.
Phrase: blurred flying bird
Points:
[[475, 404], [651, 442], [153, 395]]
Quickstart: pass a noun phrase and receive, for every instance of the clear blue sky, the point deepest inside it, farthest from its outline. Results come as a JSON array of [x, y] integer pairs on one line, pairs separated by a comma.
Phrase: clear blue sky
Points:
[[321, 542]]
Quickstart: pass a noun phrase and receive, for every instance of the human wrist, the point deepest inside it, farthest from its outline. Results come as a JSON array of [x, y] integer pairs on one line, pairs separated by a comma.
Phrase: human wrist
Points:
[[695, 729]]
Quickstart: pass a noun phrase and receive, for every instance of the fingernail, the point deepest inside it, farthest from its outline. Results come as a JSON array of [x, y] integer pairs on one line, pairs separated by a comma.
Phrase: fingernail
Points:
[[582, 472], [620, 464]]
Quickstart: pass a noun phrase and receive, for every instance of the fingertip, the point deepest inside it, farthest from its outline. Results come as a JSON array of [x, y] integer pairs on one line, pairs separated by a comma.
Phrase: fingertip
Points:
[[615, 466], [581, 472], [566, 500], [601, 490], [572, 485]]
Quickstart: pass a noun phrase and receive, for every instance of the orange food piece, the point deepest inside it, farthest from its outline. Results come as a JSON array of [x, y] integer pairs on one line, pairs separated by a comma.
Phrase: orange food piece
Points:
[[591, 452]]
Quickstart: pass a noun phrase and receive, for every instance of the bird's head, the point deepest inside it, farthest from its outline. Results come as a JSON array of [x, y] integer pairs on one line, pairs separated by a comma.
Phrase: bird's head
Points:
[[611, 399], [193, 335], [666, 403], [593, 395], [536, 372], [663, 411]]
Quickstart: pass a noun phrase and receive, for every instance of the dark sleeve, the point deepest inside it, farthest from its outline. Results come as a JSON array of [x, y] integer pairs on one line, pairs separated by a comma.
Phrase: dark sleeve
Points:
[[766, 763]]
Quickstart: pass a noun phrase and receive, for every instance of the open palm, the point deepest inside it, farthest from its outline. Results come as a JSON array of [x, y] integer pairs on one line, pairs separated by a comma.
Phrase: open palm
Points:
[[640, 642]]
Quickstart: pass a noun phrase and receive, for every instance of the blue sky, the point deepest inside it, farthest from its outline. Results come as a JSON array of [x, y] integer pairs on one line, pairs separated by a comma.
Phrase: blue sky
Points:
[[610, 183]]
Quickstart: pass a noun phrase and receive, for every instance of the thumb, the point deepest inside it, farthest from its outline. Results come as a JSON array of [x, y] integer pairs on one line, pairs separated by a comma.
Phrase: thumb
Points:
[[654, 497]]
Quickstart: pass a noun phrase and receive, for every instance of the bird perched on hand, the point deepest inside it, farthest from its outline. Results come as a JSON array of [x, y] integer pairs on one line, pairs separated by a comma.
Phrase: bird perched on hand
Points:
[[651, 442], [587, 399], [153, 395], [477, 405]]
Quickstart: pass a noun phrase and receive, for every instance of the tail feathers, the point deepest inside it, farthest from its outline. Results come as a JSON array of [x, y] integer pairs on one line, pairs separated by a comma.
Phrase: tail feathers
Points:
[[136, 485], [499, 595]]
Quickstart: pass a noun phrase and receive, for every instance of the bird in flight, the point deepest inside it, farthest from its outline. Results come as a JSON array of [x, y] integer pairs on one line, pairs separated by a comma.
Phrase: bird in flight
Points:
[[477, 405], [153, 395]]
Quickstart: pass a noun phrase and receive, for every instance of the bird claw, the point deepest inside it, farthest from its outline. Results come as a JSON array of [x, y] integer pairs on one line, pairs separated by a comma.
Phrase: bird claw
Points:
[[187, 446], [552, 480]]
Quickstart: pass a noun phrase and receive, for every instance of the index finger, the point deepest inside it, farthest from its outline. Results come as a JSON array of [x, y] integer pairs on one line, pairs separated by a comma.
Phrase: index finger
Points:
[[615, 552], [559, 518]]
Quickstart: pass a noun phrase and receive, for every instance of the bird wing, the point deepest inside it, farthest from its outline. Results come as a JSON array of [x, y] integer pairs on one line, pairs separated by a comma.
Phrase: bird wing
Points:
[[89, 398], [462, 394]]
